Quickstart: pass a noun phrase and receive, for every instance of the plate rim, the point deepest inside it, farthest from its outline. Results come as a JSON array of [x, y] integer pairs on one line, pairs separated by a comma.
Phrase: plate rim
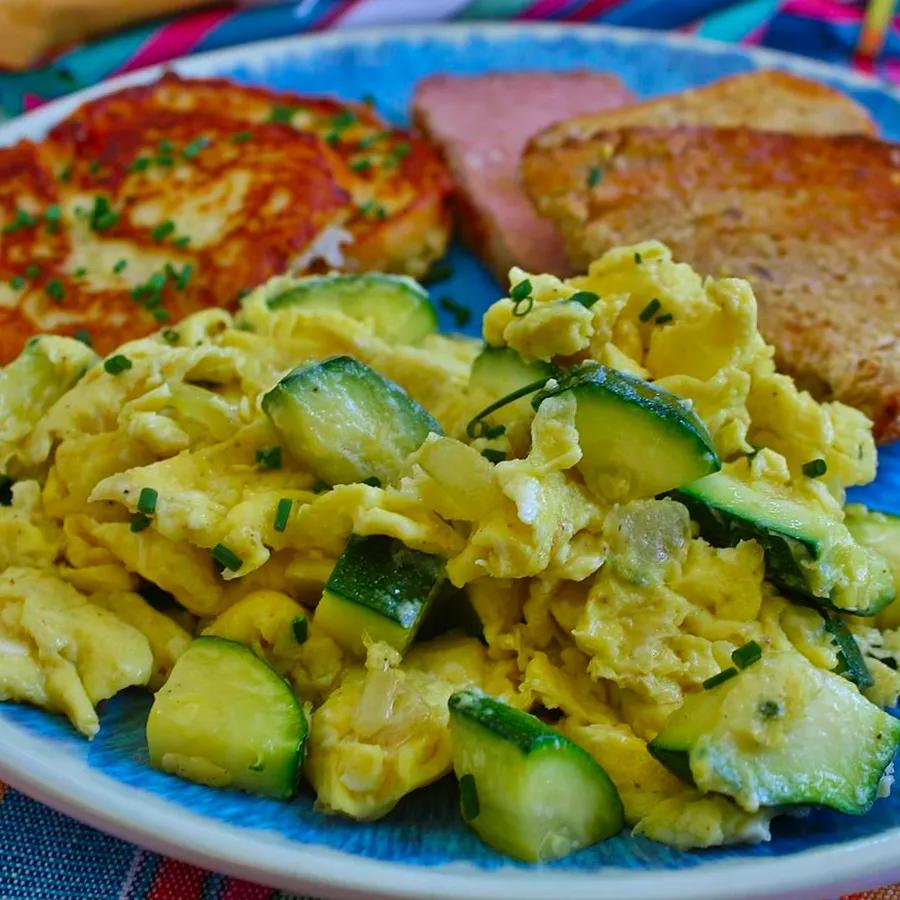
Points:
[[107, 804]]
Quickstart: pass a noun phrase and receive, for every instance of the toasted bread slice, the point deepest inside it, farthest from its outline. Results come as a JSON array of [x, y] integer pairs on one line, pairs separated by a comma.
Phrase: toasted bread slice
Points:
[[769, 100], [481, 124], [813, 221]]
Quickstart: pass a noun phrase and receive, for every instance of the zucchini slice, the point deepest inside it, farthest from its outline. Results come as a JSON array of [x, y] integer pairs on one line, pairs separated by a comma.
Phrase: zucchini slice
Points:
[[638, 440], [806, 553], [226, 719], [397, 307], [527, 790], [346, 422], [781, 732], [379, 590], [498, 371]]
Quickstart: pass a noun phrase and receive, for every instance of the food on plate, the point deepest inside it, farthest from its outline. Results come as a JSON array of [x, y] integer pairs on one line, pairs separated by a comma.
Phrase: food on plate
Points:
[[496, 217], [599, 565], [157, 201], [734, 201], [768, 100]]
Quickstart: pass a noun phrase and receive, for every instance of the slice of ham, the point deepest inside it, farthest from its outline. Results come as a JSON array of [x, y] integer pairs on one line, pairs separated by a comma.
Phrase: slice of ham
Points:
[[481, 125]]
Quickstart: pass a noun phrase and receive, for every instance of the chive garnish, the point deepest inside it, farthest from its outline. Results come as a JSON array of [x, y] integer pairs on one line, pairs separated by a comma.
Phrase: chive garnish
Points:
[[594, 176], [439, 271], [65, 173], [120, 266], [281, 115], [103, 217], [94, 167], [226, 558], [522, 299], [55, 290], [494, 456], [32, 271], [721, 678], [769, 709], [282, 513], [586, 298], [321, 486], [747, 654], [170, 336], [815, 468], [332, 138], [23, 219], [52, 216], [161, 315], [241, 137], [139, 522], [195, 146], [460, 312], [361, 165], [181, 242], [80, 272], [140, 164], [163, 230], [17, 282], [268, 458], [184, 276], [344, 119], [117, 364], [521, 290], [650, 310], [637, 259], [6, 484], [664, 319], [300, 627], [84, 337], [399, 153], [147, 501], [372, 481], [468, 797], [477, 427], [372, 139]]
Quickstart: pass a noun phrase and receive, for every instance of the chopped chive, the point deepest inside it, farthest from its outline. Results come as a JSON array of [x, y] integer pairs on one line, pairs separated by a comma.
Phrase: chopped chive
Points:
[[594, 176], [281, 115], [52, 216], [181, 242], [460, 312], [321, 486], [6, 485], [521, 290], [117, 364], [372, 139], [769, 709], [226, 558], [139, 522], [17, 282], [32, 271], [815, 468], [23, 219], [344, 119], [147, 501], [372, 481], [637, 259], [650, 310], [300, 627], [241, 137], [80, 272], [333, 137], [195, 146], [184, 276], [164, 146], [747, 654], [586, 298], [55, 290], [494, 456], [664, 319], [163, 230], [120, 266], [170, 336], [468, 797], [161, 315], [523, 307], [94, 167], [361, 165], [140, 164], [399, 153], [439, 271], [269, 458], [84, 337], [65, 173], [478, 427], [372, 209], [102, 216], [721, 678]]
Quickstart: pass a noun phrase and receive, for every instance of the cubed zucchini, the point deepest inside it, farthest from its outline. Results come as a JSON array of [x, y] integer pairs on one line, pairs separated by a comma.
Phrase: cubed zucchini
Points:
[[379, 590], [226, 719], [637, 439], [806, 553], [527, 790], [781, 732], [346, 422], [397, 307]]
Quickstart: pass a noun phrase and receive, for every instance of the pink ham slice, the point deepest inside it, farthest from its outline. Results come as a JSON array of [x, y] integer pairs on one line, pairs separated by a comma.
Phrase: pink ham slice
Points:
[[482, 124]]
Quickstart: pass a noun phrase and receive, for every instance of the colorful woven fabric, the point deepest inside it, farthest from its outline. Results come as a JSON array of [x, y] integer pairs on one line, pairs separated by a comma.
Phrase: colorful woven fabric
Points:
[[45, 855], [825, 29]]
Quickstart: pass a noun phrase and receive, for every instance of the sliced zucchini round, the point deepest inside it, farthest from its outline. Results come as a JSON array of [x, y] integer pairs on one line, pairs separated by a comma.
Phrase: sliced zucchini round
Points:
[[346, 422], [637, 439], [527, 790], [397, 307], [226, 719]]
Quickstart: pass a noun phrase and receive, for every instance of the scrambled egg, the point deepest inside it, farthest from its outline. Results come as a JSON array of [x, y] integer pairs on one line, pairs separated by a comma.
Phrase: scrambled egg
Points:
[[606, 615]]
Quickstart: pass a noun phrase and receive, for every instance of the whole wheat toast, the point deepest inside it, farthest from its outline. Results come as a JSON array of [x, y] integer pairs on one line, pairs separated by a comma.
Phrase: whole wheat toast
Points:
[[812, 220]]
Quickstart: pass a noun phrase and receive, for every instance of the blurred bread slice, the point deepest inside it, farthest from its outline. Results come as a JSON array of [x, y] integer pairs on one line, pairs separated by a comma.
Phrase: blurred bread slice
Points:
[[812, 220], [481, 125], [767, 100]]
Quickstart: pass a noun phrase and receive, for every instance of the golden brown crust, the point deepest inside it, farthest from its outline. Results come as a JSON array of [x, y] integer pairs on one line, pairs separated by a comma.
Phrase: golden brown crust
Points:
[[812, 221]]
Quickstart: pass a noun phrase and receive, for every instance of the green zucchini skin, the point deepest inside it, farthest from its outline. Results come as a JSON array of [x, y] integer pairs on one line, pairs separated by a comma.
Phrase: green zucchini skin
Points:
[[397, 306], [527, 790], [498, 371], [346, 422], [807, 556], [637, 439], [380, 590], [781, 733], [225, 718]]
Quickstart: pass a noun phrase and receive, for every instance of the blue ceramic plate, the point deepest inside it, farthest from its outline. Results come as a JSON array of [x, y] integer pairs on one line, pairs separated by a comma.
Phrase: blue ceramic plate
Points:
[[422, 848]]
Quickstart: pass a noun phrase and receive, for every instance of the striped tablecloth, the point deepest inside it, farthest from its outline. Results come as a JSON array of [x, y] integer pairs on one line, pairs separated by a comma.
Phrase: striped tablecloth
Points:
[[45, 855]]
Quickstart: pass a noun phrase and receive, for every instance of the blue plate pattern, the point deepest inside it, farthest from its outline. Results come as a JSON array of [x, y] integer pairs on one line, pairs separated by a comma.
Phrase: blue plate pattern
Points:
[[425, 830]]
